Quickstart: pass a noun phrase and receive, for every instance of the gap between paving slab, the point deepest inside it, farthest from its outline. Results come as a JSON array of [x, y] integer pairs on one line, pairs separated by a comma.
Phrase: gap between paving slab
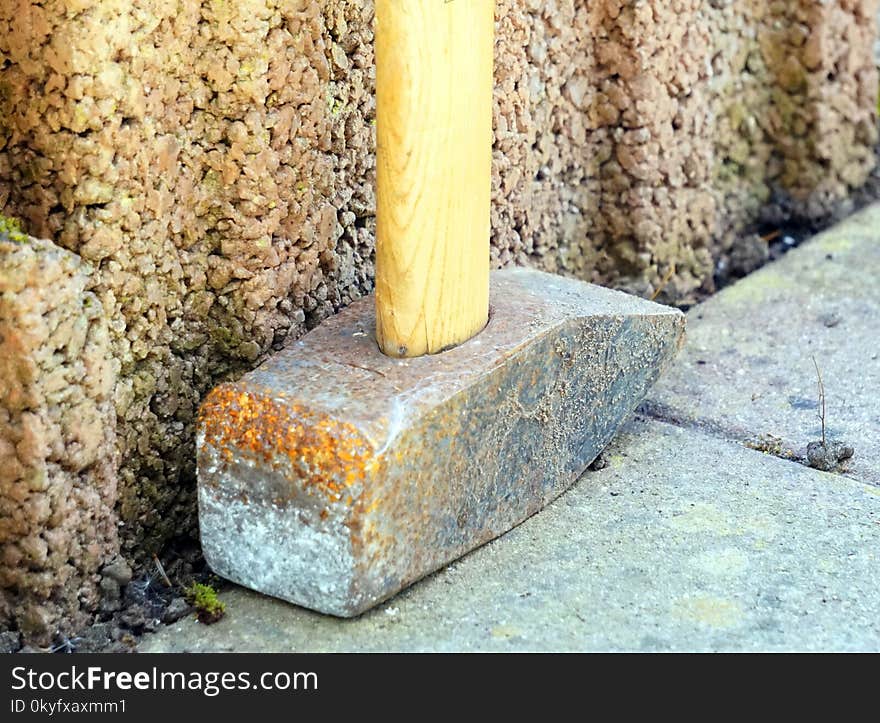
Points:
[[685, 542], [747, 368]]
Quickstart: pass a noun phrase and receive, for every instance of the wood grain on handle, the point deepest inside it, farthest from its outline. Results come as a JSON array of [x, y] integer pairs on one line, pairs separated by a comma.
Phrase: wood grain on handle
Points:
[[434, 79]]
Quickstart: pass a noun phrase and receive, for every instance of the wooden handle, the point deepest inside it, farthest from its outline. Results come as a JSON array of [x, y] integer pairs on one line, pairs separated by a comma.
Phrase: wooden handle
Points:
[[434, 79]]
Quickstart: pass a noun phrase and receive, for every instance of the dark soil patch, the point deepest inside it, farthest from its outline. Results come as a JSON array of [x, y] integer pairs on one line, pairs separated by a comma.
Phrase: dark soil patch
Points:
[[779, 231], [133, 603]]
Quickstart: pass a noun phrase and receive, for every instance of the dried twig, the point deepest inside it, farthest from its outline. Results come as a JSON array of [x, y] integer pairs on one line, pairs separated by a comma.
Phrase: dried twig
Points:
[[664, 283], [821, 399], [161, 570]]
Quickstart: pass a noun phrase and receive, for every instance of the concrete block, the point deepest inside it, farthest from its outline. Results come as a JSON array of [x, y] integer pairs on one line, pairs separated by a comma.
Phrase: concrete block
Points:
[[58, 460], [333, 476]]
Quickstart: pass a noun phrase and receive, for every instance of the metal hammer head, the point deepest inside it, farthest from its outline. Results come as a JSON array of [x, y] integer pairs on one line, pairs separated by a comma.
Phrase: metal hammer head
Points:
[[334, 476]]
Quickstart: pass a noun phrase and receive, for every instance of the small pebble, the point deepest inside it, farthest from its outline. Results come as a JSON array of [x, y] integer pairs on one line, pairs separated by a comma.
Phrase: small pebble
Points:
[[119, 571], [96, 638], [176, 609], [827, 457], [600, 463], [830, 320], [133, 618], [10, 642]]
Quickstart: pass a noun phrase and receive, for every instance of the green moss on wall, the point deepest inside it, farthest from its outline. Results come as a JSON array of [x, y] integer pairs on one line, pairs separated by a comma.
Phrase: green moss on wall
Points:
[[10, 229]]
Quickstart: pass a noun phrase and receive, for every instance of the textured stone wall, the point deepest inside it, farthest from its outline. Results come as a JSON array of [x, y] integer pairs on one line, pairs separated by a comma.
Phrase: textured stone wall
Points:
[[635, 140], [213, 162], [57, 434]]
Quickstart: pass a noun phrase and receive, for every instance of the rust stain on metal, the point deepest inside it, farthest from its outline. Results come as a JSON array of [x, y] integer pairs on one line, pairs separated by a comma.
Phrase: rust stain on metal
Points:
[[331, 455]]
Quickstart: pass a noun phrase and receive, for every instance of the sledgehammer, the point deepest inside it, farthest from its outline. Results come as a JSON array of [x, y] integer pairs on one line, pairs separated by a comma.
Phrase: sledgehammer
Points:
[[417, 425]]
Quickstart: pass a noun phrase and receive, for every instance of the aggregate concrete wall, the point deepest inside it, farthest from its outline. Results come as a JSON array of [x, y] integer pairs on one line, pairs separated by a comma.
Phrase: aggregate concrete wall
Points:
[[57, 439], [213, 163]]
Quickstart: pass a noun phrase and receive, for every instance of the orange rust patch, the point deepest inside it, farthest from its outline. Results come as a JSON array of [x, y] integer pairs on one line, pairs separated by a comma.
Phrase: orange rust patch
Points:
[[326, 454]]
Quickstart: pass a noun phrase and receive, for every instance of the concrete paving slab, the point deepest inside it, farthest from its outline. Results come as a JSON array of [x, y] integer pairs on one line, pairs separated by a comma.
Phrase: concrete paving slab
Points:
[[685, 542], [747, 370]]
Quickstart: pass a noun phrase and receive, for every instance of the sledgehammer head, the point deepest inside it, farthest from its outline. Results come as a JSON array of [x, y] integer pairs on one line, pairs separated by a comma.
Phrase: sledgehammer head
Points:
[[334, 476]]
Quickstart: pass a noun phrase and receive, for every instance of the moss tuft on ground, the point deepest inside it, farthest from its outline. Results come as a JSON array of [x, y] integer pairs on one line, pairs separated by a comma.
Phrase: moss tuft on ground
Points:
[[209, 608]]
